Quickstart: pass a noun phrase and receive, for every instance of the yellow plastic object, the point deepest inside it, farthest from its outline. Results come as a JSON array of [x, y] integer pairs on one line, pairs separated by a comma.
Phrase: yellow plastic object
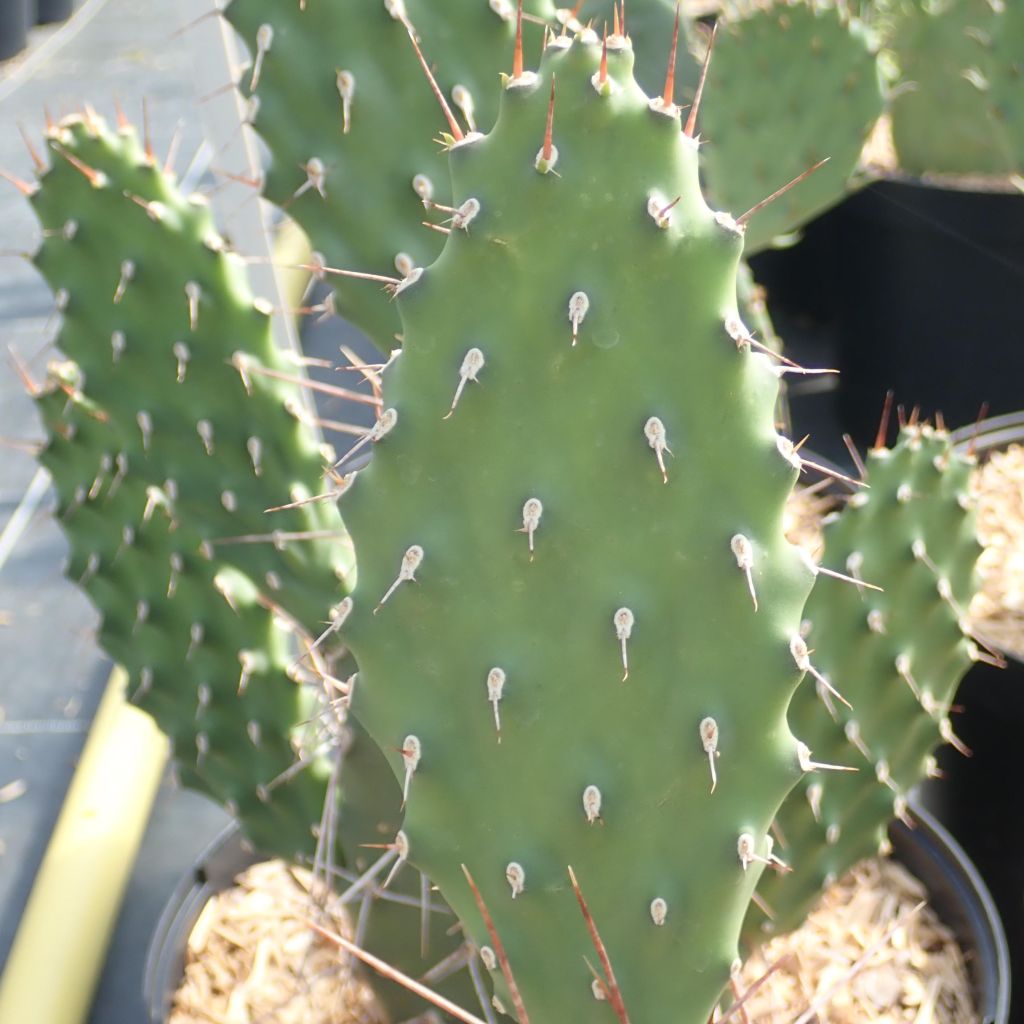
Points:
[[51, 974], [291, 251]]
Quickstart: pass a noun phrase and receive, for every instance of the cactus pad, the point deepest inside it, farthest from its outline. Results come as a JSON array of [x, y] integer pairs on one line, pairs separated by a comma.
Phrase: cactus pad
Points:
[[582, 590], [895, 656], [963, 109], [790, 84]]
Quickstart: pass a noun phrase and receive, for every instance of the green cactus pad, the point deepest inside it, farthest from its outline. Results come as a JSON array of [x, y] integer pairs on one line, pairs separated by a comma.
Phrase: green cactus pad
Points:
[[500, 673], [161, 450], [205, 629], [960, 112], [791, 83], [339, 83], [896, 656]]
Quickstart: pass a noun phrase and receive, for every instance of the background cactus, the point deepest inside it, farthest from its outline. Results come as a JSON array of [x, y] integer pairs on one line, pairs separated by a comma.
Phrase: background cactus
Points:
[[962, 111], [161, 450], [897, 656], [352, 158], [583, 556], [791, 84]]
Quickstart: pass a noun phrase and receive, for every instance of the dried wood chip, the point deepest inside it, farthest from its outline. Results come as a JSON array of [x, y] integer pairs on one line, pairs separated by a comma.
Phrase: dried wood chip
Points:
[[801, 521]]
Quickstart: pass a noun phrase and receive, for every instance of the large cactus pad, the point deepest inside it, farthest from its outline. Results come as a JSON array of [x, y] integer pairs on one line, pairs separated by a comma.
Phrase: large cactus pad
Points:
[[582, 474]]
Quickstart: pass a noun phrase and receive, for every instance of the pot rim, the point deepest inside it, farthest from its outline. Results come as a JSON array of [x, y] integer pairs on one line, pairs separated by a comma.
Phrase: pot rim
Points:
[[995, 432], [214, 870]]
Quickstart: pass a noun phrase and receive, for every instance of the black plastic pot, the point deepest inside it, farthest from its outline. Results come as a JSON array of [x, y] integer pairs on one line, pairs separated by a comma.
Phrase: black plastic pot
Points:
[[955, 891], [214, 871], [50, 11], [929, 280], [978, 800], [960, 898], [14, 25]]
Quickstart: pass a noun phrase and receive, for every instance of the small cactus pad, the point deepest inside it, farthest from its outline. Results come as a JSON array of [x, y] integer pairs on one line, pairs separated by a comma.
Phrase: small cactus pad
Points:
[[573, 625], [338, 95], [896, 656], [791, 83], [962, 110]]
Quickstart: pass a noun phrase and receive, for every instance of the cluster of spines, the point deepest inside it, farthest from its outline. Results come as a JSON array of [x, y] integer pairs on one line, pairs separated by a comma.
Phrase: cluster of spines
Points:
[[895, 657]]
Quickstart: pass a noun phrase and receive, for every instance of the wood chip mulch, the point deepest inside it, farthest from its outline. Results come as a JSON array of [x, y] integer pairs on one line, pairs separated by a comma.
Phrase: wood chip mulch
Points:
[[252, 959], [997, 613], [868, 952]]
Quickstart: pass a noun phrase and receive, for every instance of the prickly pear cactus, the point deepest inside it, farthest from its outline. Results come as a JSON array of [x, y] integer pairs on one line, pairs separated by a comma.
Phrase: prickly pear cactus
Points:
[[964, 113], [825, 95], [581, 595], [168, 440], [337, 93], [896, 656], [168, 436]]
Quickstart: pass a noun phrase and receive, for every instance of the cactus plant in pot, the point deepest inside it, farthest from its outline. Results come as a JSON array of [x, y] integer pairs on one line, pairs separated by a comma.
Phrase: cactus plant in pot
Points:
[[525, 844], [577, 623]]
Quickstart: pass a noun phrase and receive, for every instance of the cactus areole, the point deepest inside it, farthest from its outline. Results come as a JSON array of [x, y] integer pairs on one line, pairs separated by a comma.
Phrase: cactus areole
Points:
[[581, 593]]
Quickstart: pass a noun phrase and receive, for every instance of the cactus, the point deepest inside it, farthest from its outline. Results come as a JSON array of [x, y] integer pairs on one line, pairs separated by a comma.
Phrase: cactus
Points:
[[582, 581], [150, 429], [896, 656], [791, 84], [349, 137], [161, 449], [963, 110]]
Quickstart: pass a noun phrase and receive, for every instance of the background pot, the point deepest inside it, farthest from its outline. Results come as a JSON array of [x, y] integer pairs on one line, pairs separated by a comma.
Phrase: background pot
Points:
[[979, 798], [927, 286], [48, 11], [955, 890], [14, 23], [214, 871], [960, 898]]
